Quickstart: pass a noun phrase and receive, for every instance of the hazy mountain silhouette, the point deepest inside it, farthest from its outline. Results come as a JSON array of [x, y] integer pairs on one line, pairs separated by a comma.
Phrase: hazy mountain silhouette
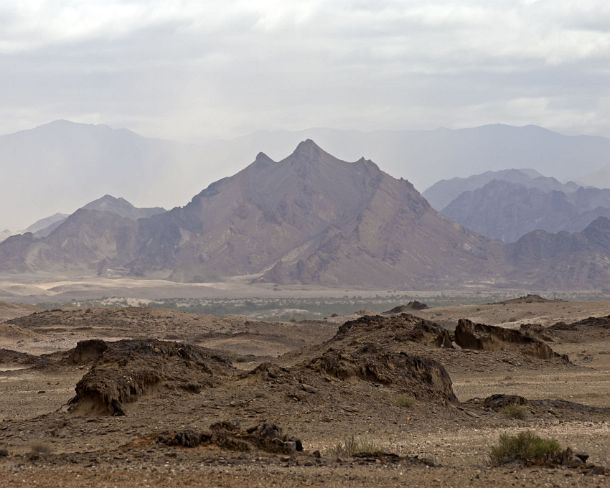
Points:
[[506, 211], [563, 260], [81, 242], [43, 227], [74, 162], [309, 218], [59, 165], [442, 193]]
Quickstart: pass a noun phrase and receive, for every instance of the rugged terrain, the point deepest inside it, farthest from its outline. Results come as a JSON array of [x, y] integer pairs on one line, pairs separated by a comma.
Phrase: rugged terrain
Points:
[[123, 396], [77, 162], [442, 193], [313, 219], [310, 218], [507, 211]]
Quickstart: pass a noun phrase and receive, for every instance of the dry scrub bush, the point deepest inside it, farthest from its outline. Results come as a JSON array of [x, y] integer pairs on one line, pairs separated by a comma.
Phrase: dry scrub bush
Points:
[[525, 447]]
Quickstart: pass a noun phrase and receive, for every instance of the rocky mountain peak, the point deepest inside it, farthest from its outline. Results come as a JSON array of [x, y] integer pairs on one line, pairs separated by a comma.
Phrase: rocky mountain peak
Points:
[[308, 151], [262, 158]]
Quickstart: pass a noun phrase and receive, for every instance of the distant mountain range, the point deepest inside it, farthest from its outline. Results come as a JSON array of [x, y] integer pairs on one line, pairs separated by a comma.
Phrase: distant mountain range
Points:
[[44, 226], [310, 219], [107, 203], [442, 193], [78, 243], [563, 260], [58, 166], [508, 204]]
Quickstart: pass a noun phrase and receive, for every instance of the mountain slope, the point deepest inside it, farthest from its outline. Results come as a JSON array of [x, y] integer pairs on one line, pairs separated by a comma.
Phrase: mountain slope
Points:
[[87, 242], [61, 164], [442, 193], [309, 218], [563, 260], [44, 226], [122, 208], [507, 211], [5, 234], [73, 162], [92, 240]]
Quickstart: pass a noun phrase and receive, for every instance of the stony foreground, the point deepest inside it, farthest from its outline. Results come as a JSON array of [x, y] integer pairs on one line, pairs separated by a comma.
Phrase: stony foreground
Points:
[[414, 400]]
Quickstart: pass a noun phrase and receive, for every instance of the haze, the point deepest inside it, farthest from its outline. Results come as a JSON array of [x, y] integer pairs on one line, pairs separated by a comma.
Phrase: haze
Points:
[[204, 72], [191, 70]]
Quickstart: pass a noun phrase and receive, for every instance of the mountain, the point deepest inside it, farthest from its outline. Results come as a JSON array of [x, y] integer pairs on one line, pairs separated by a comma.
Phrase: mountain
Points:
[[442, 193], [314, 219], [599, 178], [74, 162], [310, 218], [45, 226], [87, 242], [506, 211], [107, 203], [4, 234], [90, 240], [427, 156], [61, 164], [122, 208], [565, 260]]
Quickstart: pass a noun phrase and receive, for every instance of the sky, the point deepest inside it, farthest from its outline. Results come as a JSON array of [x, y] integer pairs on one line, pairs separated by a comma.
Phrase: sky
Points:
[[191, 70]]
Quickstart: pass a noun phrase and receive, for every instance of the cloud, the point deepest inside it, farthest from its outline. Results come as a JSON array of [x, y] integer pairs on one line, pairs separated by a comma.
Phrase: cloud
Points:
[[190, 69]]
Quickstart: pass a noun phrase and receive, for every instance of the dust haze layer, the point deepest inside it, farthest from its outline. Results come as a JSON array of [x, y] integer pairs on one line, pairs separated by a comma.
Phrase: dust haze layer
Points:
[[308, 219], [58, 167]]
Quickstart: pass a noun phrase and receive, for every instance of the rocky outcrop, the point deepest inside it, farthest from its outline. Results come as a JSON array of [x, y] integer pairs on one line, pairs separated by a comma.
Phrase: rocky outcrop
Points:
[[590, 322], [470, 335], [413, 305], [529, 298], [229, 435], [124, 371], [422, 378]]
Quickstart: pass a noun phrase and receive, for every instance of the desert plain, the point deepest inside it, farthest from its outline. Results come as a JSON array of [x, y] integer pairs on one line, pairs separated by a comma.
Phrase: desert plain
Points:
[[151, 396]]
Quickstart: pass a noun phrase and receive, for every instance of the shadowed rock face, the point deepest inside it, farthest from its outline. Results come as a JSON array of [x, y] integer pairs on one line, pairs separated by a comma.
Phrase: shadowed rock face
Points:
[[590, 322], [423, 378], [564, 260], [125, 370], [507, 211], [89, 351], [470, 335]]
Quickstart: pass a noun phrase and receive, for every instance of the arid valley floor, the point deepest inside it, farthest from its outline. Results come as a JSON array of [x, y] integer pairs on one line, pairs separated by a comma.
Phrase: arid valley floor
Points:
[[142, 396]]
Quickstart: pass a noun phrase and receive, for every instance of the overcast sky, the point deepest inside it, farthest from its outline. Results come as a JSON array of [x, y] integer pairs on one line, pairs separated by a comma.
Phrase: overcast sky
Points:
[[192, 69]]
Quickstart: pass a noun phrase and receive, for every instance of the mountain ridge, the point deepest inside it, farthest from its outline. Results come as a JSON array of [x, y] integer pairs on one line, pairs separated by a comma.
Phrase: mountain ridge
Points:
[[507, 210], [75, 161], [309, 218]]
